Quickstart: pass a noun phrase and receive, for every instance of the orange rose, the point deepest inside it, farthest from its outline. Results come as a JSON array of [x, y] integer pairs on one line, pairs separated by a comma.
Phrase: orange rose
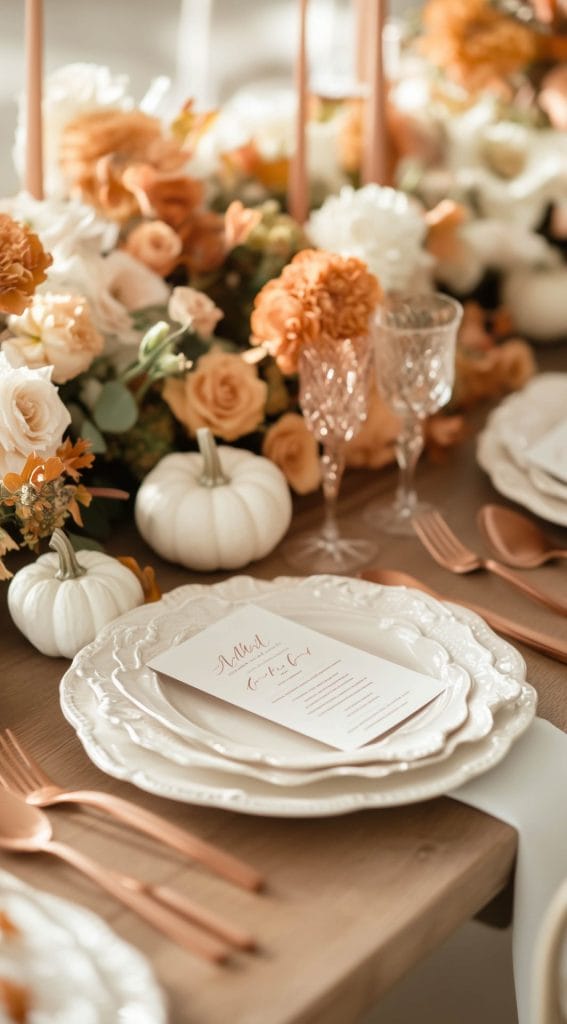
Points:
[[156, 245], [23, 265], [290, 444], [223, 393], [98, 146]]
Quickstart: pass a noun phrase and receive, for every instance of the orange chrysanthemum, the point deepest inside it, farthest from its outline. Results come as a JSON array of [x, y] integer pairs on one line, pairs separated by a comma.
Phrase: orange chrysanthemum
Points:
[[97, 147], [23, 265], [320, 296], [475, 43]]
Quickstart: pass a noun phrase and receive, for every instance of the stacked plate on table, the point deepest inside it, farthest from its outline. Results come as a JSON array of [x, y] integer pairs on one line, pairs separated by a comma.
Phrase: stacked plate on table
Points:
[[68, 964], [173, 740], [506, 446]]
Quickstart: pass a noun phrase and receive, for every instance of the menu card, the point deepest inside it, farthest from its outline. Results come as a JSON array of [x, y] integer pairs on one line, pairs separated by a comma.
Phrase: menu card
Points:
[[299, 678], [550, 452]]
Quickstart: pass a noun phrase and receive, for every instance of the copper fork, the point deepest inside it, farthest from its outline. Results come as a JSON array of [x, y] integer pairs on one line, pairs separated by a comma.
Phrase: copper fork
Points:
[[449, 552], [22, 774]]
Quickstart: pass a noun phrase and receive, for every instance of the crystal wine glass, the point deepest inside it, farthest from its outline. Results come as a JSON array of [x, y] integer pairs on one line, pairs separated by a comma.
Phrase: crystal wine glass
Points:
[[414, 358], [333, 395]]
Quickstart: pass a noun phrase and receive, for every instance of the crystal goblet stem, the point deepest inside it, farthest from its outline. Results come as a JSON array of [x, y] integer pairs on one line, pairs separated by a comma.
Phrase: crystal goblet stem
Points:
[[409, 446]]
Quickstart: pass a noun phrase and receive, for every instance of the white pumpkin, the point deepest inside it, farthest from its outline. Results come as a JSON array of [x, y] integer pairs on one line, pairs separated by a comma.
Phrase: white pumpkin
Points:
[[62, 600], [537, 301], [218, 508]]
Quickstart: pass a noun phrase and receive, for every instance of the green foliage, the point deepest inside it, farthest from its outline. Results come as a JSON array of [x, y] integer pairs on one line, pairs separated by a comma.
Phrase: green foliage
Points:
[[116, 409]]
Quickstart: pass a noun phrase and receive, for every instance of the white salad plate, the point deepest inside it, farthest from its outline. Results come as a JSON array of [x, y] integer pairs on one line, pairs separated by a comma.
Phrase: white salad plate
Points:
[[521, 420], [74, 967], [127, 742]]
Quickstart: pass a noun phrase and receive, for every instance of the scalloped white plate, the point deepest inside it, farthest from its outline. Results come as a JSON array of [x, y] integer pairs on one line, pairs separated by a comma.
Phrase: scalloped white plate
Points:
[[514, 426], [75, 967], [126, 742]]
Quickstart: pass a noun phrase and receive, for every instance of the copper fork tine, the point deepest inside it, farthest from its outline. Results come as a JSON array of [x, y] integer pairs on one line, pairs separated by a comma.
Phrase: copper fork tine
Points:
[[449, 552], [20, 770]]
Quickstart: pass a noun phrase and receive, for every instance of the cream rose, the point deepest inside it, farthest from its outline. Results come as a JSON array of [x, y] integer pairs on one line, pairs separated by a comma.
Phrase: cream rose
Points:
[[223, 393], [56, 331], [32, 416], [290, 444], [194, 310]]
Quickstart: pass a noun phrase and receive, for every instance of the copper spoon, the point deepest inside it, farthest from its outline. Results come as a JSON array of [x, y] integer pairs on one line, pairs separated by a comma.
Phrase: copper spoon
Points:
[[551, 646], [25, 829], [516, 539]]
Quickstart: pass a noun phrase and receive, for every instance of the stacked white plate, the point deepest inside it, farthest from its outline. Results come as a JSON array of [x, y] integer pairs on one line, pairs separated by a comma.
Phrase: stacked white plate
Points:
[[173, 740], [74, 968], [520, 421]]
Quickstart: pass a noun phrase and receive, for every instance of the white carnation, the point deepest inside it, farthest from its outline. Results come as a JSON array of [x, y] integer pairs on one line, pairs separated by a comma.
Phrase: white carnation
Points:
[[381, 226]]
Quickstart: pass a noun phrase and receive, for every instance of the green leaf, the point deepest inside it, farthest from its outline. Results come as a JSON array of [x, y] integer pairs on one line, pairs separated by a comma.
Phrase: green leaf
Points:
[[116, 409], [84, 543], [93, 434]]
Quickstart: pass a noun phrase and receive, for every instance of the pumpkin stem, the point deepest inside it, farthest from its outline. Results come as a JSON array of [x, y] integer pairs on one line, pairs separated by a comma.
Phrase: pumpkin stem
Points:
[[212, 475], [69, 568]]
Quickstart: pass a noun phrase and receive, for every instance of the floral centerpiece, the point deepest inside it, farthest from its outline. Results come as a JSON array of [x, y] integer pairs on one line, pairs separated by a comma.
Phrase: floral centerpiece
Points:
[[154, 291]]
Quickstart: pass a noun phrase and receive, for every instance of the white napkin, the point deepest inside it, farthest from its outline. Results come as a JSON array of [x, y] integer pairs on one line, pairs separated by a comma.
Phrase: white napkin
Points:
[[529, 791]]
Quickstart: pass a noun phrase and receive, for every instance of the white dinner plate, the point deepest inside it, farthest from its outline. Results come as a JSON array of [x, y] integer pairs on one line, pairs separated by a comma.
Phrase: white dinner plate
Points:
[[75, 968], [515, 425], [108, 725], [404, 626]]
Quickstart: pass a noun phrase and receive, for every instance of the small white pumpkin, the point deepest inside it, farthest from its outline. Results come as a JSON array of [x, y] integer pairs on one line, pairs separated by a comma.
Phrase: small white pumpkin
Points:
[[218, 508], [61, 601]]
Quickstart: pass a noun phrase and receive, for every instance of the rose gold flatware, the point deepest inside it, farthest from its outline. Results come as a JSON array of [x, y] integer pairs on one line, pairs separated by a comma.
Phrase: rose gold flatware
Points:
[[26, 829], [515, 539], [449, 552], [29, 779], [552, 647]]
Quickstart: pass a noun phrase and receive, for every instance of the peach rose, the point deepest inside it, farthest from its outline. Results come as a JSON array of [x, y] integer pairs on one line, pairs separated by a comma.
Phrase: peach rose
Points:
[[56, 331], [374, 445], [98, 146], [172, 198], [223, 393], [194, 310], [291, 445], [23, 264], [156, 245]]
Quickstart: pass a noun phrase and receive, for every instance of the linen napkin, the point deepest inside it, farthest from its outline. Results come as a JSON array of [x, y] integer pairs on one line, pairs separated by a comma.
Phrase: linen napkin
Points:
[[529, 791]]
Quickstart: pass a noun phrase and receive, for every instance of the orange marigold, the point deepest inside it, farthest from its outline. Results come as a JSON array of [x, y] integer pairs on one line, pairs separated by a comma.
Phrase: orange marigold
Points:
[[318, 297], [23, 265], [475, 43]]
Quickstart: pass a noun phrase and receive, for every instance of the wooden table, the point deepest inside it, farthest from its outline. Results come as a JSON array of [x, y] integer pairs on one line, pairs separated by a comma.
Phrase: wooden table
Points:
[[352, 902]]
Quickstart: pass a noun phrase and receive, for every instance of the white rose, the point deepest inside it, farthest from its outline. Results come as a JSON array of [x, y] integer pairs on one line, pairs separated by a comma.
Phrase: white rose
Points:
[[194, 310], [69, 91], [32, 416]]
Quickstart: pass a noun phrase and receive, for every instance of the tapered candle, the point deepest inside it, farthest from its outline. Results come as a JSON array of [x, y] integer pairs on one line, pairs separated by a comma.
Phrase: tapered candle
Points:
[[298, 191], [361, 40], [34, 71], [374, 157]]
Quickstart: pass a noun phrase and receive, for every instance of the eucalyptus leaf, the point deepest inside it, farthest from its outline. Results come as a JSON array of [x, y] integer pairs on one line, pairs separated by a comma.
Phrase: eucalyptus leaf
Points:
[[93, 434], [116, 410]]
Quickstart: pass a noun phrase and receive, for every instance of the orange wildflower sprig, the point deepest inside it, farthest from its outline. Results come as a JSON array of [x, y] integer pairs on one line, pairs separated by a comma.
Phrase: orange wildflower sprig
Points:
[[42, 495]]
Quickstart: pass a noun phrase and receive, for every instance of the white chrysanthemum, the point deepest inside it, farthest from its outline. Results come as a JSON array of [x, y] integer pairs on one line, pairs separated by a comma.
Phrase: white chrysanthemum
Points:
[[379, 225], [69, 91], [65, 227]]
